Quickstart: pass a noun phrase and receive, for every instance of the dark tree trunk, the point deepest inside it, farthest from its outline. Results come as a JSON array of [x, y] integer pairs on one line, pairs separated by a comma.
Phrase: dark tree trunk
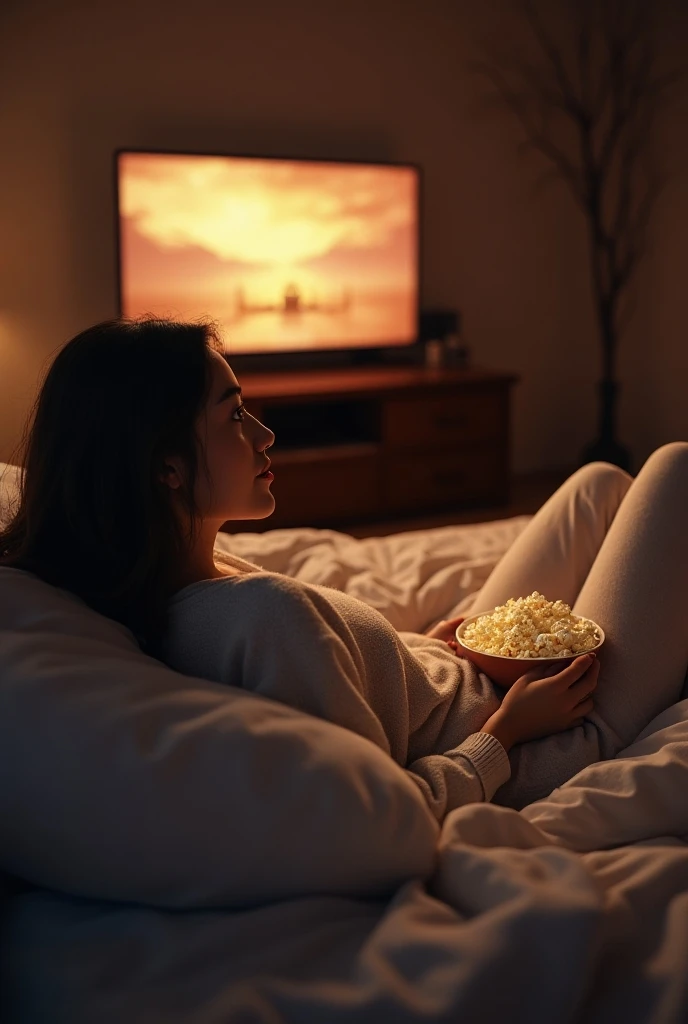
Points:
[[605, 83], [606, 448]]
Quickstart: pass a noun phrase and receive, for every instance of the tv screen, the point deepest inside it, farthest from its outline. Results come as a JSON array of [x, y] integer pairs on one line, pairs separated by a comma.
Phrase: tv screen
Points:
[[286, 255]]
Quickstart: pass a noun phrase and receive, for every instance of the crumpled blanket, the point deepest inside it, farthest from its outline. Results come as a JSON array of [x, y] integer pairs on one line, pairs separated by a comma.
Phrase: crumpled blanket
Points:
[[414, 578], [574, 910]]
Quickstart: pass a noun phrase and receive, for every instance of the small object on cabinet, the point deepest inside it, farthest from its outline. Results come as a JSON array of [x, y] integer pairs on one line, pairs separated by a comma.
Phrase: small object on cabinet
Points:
[[434, 353]]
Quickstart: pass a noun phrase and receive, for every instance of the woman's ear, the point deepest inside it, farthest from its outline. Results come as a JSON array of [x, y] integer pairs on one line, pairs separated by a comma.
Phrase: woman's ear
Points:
[[170, 475]]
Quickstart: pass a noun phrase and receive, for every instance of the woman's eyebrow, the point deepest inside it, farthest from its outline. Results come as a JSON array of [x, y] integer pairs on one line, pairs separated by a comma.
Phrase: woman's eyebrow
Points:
[[233, 389]]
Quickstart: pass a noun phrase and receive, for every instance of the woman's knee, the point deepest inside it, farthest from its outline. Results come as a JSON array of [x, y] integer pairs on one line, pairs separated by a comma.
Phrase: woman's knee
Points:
[[674, 453], [604, 475]]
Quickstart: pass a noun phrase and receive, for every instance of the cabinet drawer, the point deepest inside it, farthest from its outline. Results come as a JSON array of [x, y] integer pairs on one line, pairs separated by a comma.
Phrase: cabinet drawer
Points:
[[426, 480], [330, 488], [454, 417]]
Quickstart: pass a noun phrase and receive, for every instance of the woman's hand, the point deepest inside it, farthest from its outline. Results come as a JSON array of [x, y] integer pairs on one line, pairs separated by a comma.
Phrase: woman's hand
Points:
[[541, 704], [446, 630]]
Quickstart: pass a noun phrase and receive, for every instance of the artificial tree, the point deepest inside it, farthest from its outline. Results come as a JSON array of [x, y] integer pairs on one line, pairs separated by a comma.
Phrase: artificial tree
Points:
[[598, 77]]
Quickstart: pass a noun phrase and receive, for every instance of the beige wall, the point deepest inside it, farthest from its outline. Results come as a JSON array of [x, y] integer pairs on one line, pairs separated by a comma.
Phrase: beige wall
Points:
[[365, 79]]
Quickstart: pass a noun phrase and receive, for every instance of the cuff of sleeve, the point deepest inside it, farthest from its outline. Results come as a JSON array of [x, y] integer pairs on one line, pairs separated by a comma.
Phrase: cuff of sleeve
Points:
[[488, 757]]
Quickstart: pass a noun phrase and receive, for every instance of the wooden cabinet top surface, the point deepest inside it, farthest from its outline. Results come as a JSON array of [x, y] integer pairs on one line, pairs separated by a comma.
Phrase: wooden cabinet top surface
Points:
[[360, 380]]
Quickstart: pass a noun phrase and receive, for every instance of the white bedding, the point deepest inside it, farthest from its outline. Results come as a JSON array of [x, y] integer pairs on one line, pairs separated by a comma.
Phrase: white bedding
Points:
[[572, 910], [413, 578], [513, 924]]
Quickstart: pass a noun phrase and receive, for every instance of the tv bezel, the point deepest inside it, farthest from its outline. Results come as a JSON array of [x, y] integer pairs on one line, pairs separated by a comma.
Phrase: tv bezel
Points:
[[296, 359]]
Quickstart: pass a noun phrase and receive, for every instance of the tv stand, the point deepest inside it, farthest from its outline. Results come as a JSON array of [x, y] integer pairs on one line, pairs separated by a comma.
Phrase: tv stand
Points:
[[373, 442], [364, 357]]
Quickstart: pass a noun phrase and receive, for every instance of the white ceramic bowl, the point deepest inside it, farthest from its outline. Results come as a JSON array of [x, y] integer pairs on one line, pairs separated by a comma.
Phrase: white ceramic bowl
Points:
[[505, 671]]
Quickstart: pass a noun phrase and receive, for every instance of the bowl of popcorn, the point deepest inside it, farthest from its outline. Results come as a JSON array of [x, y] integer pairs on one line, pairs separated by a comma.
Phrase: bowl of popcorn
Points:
[[526, 633]]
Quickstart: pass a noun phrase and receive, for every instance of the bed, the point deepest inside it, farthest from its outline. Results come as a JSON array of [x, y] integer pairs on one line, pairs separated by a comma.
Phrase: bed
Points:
[[174, 850]]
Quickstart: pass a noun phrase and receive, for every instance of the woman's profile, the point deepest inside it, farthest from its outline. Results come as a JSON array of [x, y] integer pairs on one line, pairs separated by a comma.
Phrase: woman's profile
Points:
[[140, 449]]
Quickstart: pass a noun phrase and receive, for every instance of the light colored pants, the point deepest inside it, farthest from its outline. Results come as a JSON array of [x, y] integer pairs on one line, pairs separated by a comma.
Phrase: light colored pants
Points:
[[616, 549]]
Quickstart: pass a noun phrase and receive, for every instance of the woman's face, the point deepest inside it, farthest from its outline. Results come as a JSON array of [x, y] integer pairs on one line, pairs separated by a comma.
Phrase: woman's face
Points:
[[235, 446]]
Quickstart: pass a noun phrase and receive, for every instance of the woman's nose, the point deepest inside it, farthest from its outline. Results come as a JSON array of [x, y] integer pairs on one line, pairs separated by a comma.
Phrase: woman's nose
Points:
[[268, 440]]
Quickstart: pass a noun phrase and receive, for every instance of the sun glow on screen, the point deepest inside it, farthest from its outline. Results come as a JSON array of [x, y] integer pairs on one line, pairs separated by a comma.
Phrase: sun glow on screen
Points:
[[285, 255]]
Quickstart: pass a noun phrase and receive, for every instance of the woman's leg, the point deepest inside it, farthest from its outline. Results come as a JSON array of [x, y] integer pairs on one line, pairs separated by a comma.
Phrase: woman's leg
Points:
[[555, 552], [637, 589]]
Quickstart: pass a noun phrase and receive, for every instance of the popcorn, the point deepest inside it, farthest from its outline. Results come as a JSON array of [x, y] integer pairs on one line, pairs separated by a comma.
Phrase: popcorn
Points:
[[531, 627]]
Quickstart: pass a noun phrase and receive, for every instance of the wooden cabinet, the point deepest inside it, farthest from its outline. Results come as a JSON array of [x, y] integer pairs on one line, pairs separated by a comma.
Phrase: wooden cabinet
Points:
[[444, 479], [458, 416], [355, 445]]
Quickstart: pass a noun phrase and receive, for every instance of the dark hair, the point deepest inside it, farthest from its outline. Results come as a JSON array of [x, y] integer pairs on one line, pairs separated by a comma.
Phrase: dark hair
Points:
[[93, 516]]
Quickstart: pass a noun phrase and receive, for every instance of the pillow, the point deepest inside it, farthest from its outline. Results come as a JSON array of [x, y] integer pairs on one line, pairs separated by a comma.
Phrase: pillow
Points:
[[125, 780]]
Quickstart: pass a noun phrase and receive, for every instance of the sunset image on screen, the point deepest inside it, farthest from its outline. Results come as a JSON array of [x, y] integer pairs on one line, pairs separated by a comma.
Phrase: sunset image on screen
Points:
[[284, 255]]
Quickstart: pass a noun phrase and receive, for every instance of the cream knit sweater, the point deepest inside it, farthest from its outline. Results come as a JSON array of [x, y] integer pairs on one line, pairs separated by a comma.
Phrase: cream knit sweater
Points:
[[333, 656]]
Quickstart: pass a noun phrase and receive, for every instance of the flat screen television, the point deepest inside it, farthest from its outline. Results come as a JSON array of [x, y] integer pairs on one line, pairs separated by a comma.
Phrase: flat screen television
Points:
[[286, 255]]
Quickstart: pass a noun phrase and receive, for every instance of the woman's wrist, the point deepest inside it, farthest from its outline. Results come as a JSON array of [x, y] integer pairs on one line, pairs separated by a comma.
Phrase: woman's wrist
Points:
[[497, 726]]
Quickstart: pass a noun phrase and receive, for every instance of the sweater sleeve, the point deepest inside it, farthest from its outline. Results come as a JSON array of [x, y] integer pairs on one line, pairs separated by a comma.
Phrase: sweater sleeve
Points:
[[471, 773]]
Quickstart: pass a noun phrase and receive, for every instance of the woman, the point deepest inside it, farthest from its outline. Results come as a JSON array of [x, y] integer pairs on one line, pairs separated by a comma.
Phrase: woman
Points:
[[141, 448]]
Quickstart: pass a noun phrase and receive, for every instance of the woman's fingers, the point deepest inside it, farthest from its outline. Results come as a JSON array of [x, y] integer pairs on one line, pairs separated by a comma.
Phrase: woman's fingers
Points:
[[582, 694], [445, 629], [580, 720], [582, 710], [577, 668], [589, 677], [568, 675], [586, 684]]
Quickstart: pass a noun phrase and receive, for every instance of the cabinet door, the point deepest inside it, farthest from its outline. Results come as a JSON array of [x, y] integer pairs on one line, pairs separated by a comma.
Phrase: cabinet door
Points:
[[451, 417], [330, 487], [425, 480]]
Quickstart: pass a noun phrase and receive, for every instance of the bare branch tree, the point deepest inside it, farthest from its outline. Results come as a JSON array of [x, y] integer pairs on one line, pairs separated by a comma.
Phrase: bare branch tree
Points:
[[600, 84]]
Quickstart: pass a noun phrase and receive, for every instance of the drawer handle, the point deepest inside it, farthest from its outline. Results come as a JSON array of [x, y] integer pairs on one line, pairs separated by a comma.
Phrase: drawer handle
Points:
[[450, 421]]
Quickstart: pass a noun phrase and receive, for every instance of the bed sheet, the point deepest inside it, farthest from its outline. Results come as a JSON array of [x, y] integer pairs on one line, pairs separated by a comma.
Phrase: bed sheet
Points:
[[414, 578]]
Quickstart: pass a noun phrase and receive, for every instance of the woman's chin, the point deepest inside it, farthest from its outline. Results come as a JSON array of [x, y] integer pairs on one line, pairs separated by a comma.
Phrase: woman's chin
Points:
[[263, 509]]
